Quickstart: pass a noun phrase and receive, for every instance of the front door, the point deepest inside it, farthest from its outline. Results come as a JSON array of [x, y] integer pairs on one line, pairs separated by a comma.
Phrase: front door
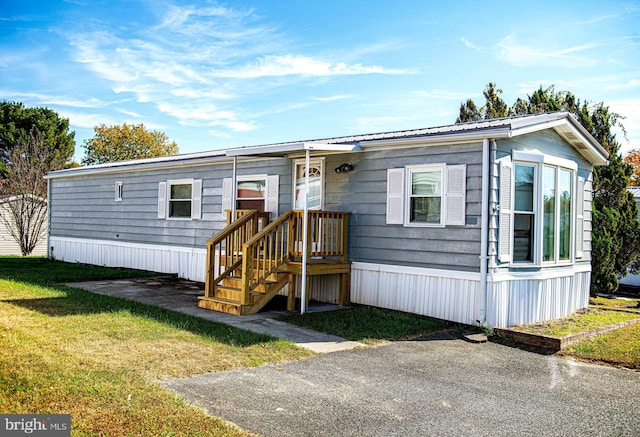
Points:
[[316, 184]]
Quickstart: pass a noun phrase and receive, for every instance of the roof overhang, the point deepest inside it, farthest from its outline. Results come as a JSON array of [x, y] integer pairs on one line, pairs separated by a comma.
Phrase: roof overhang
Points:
[[173, 161], [563, 123], [572, 132], [291, 148]]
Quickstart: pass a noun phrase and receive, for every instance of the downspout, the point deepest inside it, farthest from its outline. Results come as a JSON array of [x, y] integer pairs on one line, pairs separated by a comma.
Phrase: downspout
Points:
[[484, 231], [305, 235]]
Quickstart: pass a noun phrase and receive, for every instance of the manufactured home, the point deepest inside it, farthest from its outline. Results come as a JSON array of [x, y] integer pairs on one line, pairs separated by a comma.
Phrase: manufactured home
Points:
[[486, 222]]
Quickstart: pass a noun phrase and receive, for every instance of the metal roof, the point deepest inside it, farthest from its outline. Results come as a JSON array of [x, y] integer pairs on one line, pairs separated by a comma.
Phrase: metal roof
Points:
[[562, 122]]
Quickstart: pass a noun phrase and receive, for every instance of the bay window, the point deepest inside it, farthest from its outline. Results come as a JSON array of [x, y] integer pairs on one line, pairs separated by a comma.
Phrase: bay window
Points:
[[538, 214]]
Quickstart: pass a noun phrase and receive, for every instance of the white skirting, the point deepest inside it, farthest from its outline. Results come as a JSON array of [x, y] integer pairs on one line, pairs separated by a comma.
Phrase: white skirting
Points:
[[448, 295], [512, 299], [521, 299], [186, 262]]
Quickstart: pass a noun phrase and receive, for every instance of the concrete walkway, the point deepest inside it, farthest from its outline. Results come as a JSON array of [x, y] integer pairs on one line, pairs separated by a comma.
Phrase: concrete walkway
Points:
[[182, 296]]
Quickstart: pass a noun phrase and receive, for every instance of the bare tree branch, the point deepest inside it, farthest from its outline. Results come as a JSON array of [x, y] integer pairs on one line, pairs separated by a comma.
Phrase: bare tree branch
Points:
[[24, 211]]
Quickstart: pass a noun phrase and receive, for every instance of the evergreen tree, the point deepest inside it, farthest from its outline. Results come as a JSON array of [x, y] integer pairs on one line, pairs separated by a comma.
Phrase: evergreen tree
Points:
[[16, 124]]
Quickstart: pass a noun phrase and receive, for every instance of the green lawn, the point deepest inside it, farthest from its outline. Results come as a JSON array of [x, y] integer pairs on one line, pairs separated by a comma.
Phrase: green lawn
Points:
[[619, 348], [369, 325], [97, 357]]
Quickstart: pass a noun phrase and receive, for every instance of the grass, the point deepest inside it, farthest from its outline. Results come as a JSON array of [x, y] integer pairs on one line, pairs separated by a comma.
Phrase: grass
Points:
[[369, 325], [619, 348], [626, 304], [97, 357], [578, 322]]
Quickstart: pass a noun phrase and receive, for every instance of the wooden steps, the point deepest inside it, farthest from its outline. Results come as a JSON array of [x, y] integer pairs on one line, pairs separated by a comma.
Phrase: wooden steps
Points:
[[228, 294], [248, 263]]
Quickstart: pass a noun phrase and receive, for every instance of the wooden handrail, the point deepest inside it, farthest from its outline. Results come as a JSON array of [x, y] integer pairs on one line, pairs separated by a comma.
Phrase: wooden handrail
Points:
[[265, 252], [263, 216], [224, 249]]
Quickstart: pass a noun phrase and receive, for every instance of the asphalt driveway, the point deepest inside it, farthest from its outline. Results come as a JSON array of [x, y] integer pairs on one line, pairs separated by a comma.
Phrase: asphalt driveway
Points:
[[440, 385]]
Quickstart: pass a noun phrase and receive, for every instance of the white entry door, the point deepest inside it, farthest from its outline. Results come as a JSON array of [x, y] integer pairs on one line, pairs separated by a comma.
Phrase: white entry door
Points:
[[316, 183]]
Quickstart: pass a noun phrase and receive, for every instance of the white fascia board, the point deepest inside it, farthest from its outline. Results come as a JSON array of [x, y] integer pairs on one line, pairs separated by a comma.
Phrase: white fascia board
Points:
[[131, 166], [286, 149], [592, 150], [332, 147], [442, 138], [274, 149]]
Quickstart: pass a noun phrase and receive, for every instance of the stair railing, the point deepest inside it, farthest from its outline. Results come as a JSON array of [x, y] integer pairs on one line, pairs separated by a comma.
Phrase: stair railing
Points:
[[263, 254], [327, 234], [277, 243], [224, 250]]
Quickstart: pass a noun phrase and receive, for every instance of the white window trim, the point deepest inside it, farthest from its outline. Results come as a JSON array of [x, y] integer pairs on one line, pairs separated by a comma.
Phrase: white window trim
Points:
[[262, 177], [196, 199], [452, 203], [409, 169], [540, 160], [536, 213], [312, 161], [574, 222], [271, 192], [118, 191]]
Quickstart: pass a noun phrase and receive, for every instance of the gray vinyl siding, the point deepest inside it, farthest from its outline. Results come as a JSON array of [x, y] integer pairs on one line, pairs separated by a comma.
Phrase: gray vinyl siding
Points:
[[549, 143], [362, 192], [85, 206]]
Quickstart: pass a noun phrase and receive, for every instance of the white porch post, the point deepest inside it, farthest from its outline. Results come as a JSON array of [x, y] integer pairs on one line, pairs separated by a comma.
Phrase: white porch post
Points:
[[305, 229], [234, 190]]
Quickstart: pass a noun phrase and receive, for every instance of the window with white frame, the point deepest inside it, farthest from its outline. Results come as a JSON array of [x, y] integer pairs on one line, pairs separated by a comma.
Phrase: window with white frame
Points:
[[540, 222], [259, 192], [524, 213], [251, 193], [426, 195], [180, 199], [118, 191]]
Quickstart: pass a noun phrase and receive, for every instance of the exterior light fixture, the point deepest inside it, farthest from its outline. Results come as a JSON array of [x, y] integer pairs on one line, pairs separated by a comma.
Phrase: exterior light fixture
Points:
[[344, 168]]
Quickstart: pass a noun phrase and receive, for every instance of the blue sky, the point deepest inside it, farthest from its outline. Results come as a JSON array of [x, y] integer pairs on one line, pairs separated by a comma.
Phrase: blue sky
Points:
[[215, 75]]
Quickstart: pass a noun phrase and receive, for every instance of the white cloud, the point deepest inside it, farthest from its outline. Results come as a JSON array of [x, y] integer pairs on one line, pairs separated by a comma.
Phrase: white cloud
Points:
[[628, 108], [130, 113], [444, 94], [86, 120], [378, 124], [523, 55], [196, 59], [199, 93], [46, 99], [333, 98], [286, 65], [468, 44]]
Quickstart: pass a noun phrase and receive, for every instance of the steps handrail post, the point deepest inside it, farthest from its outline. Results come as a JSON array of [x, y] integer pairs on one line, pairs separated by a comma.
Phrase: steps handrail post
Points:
[[246, 274], [345, 236]]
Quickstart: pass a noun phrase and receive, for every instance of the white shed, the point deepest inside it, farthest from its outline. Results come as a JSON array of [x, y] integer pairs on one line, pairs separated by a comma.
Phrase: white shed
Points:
[[8, 245]]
